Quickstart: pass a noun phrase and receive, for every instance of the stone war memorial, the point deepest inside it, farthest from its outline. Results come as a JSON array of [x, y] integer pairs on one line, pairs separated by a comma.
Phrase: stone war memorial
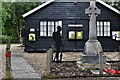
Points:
[[92, 48]]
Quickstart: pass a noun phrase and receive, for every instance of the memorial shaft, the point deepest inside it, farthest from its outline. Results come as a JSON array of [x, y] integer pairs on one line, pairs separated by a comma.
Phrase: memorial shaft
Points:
[[92, 46], [92, 31], [92, 11]]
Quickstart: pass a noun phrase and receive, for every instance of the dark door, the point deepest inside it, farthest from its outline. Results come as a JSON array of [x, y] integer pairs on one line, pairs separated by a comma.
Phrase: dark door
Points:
[[78, 33]]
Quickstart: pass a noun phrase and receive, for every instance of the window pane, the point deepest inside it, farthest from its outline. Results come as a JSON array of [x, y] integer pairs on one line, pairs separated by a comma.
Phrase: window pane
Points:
[[101, 28], [71, 34], [106, 28], [101, 33], [108, 23], [105, 23], [98, 33], [58, 23], [109, 33], [44, 23], [98, 23], [105, 33], [98, 28], [42, 34], [43, 26], [50, 28]]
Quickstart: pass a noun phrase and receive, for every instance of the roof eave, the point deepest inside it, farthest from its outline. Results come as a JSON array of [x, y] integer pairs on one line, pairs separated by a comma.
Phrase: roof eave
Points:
[[37, 8], [48, 2]]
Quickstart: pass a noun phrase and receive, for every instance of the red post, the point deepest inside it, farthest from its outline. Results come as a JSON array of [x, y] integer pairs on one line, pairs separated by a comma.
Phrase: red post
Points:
[[8, 62], [8, 58]]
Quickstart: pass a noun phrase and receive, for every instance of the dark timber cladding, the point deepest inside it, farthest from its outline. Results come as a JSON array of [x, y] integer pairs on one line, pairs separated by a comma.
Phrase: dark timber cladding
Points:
[[75, 26]]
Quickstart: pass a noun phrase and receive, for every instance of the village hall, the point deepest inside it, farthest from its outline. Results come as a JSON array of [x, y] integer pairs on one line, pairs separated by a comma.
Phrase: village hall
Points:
[[43, 20]]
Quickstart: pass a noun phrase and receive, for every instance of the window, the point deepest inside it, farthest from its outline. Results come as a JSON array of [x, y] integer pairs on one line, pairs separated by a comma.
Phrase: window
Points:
[[75, 35], [43, 28], [103, 28], [48, 27]]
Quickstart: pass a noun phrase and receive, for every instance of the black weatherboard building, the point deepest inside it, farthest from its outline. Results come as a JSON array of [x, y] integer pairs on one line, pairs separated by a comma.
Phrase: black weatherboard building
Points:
[[42, 21]]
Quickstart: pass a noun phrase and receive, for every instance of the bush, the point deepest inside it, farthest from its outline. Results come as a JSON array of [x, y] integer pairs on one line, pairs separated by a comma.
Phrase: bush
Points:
[[6, 38]]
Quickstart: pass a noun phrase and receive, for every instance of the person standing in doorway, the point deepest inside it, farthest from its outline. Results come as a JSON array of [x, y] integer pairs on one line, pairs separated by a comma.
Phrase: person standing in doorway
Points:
[[58, 43]]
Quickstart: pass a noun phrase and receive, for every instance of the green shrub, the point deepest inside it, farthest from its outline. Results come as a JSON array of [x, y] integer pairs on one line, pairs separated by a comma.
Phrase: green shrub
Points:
[[6, 38]]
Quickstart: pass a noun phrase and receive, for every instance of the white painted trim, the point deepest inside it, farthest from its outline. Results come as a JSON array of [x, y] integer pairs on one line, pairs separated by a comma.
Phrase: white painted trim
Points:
[[49, 1], [72, 1], [108, 6], [37, 8], [75, 25]]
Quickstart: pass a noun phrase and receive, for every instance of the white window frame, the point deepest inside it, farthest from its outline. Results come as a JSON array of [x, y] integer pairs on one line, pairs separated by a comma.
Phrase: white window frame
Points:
[[103, 28], [49, 27]]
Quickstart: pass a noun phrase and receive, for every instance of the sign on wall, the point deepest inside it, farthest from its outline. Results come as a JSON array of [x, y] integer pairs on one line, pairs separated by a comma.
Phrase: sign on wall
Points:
[[116, 35], [75, 35]]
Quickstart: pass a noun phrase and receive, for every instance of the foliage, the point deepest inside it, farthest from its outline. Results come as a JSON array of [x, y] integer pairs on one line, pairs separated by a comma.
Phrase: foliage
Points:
[[4, 37], [12, 17], [115, 4]]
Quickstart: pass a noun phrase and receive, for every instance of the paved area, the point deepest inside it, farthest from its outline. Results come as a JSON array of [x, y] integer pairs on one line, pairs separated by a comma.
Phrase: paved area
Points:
[[1, 75], [20, 67], [2, 60]]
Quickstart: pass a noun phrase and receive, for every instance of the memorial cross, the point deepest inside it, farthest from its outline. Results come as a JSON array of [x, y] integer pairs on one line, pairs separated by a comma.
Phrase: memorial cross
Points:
[[92, 11]]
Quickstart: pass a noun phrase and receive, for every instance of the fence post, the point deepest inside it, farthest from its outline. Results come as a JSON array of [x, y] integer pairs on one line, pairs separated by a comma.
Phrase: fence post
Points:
[[8, 62], [101, 62], [49, 61], [119, 59], [52, 53]]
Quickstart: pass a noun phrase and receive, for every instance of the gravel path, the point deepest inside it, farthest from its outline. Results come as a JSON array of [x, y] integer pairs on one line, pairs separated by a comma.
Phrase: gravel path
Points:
[[37, 60]]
